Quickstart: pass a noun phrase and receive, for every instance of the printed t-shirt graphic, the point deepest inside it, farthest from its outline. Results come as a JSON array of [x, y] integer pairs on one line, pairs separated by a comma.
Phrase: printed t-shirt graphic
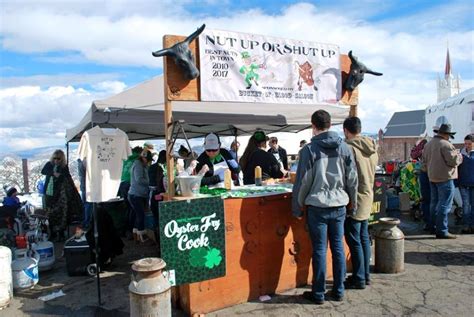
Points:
[[104, 151]]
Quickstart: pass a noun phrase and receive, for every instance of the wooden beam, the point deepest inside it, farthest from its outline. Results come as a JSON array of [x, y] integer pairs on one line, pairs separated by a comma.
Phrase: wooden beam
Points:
[[26, 183], [353, 111], [179, 88], [168, 118]]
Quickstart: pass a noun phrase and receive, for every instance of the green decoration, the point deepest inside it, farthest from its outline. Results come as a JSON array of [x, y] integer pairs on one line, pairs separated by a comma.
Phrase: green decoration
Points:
[[213, 258], [197, 257]]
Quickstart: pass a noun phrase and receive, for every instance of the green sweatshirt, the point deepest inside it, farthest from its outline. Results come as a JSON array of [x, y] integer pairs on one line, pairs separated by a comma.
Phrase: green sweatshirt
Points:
[[127, 165]]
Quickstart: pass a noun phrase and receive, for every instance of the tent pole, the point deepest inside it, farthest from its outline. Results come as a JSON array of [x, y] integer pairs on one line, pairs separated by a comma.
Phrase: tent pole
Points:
[[67, 153], [97, 249]]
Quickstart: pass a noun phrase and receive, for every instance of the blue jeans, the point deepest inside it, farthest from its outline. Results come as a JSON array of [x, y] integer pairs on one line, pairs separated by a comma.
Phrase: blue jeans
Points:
[[357, 237], [467, 194], [137, 216], [87, 209], [324, 222], [442, 195], [425, 190]]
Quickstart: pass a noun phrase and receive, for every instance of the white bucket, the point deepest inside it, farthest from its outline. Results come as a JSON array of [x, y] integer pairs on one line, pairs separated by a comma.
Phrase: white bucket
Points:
[[45, 250], [6, 283], [25, 270], [189, 185]]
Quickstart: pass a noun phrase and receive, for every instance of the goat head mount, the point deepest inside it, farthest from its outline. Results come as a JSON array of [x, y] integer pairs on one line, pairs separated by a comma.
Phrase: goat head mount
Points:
[[356, 73], [182, 55]]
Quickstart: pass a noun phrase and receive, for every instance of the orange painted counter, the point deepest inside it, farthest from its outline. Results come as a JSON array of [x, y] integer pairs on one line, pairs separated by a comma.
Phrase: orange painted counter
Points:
[[267, 251]]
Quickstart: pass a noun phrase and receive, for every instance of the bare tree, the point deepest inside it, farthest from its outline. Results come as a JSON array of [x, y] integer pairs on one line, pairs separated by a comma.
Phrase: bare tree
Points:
[[11, 173]]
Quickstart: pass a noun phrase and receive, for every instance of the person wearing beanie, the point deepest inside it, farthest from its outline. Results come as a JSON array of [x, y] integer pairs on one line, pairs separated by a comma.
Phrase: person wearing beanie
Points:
[[11, 199], [218, 160]]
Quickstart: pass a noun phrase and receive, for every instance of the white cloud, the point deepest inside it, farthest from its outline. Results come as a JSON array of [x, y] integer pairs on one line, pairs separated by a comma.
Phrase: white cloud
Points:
[[40, 117], [409, 50], [58, 80]]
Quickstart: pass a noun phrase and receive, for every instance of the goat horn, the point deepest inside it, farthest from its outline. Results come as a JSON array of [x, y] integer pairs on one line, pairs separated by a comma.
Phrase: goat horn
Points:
[[163, 52], [353, 58], [196, 33], [369, 71]]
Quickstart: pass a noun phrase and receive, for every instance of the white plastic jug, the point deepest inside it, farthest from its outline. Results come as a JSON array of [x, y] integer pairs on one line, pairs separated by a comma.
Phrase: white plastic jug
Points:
[[25, 270], [6, 284]]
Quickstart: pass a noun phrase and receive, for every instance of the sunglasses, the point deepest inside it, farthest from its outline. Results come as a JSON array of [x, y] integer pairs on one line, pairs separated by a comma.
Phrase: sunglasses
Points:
[[56, 158], [212, 150]]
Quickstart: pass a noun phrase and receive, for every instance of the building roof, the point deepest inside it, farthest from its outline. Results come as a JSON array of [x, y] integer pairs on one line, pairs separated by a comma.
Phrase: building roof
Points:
[[406, 124]]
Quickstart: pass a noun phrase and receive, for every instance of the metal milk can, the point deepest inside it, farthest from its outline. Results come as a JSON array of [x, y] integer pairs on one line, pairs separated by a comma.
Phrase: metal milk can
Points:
[[389, 246], [150, 291]]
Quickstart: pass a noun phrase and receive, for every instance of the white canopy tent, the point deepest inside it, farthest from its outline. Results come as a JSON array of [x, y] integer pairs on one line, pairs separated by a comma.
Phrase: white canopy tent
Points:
[[459, 112], [139, 112]]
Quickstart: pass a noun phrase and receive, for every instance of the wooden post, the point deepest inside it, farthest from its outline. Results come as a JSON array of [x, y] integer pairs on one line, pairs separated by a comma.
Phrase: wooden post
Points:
[[168, 117], [353, 111], [26, 183]]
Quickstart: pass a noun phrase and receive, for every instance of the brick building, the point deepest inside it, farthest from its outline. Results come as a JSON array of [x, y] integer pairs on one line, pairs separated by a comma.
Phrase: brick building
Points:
[[401, 133]]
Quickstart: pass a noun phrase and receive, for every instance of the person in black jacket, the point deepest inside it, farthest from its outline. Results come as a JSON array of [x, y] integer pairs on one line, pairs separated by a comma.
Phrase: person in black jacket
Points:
[[62, 201], [214, 155], [278, 152], [255, 155]]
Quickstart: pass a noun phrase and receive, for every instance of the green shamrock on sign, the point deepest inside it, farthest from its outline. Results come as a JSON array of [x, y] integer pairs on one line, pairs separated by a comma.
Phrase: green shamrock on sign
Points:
[[197, 257], [213, 258]]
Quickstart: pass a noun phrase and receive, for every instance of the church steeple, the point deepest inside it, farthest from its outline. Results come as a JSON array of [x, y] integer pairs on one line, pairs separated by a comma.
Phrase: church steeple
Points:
[[447, 69], [448, 86]]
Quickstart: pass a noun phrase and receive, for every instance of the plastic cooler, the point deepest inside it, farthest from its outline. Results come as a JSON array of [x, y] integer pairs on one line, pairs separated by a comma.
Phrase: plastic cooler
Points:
[[78, 255]]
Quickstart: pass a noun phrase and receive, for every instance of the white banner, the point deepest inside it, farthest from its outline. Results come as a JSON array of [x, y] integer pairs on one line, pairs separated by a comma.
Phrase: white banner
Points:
[[244, 67]]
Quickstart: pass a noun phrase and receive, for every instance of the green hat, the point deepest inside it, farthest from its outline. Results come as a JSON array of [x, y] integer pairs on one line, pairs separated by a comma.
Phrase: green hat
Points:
[[245, 55], [260, 136]]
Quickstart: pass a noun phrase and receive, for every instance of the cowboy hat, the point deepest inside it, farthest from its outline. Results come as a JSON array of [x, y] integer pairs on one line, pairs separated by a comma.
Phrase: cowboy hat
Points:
[[446, 129]]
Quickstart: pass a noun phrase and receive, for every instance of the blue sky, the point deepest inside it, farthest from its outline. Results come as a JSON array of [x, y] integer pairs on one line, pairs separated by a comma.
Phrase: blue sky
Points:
[[58, 56]]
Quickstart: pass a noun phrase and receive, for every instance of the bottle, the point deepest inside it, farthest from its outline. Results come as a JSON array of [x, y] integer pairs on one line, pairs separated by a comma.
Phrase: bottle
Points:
[[258, 176], [190, 170], [203, 170], [228, 179]]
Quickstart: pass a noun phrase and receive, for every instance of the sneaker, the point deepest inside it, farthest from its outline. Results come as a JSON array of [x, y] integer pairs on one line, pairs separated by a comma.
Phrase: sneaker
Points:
[[446, 236], [350, 280], [353, 285], [308, 295], [333, 297]]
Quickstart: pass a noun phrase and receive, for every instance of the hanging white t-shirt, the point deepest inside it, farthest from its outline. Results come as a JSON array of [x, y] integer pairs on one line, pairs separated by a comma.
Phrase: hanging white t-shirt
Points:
[[104, 151]]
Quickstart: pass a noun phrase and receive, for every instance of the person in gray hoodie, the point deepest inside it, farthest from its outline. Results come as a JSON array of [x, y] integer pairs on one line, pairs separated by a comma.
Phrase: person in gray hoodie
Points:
[[356, 226], [326, 182], [138, 194]]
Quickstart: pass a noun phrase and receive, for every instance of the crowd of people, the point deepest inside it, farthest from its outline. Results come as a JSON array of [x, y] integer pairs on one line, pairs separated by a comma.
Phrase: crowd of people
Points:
[[333, 189], [443, 168]]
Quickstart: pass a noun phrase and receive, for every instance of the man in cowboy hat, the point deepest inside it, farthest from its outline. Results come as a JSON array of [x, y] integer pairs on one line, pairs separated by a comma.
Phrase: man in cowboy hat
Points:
[[441, 159]]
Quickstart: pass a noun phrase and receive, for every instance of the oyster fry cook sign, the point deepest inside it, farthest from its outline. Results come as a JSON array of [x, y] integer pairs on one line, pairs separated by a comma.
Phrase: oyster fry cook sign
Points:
[[241, 67], [192, 239]]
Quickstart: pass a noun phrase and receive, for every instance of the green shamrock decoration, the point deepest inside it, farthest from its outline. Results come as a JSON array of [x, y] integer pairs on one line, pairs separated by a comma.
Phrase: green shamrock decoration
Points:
[[197, 257], [213, 258]]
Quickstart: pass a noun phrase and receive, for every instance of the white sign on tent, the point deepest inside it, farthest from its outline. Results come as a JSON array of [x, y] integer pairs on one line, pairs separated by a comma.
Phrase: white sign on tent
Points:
[[240, 67]]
